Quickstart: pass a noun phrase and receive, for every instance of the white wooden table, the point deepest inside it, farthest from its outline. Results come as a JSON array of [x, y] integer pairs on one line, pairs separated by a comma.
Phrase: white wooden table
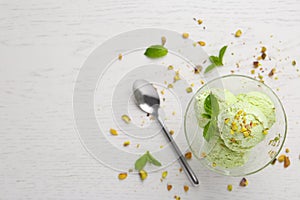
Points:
[[42, 47]]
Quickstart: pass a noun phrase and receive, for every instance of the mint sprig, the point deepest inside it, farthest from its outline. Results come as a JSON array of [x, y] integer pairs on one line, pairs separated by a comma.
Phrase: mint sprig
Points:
[[156, 51], [142, 161], [212, 109], [216, 60]]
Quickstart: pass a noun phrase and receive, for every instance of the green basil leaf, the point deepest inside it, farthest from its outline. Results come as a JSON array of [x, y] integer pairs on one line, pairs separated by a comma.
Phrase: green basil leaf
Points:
[[210, 130], [210, 67], [221, 54], [152, 160], [141, 162], [205, 131], [215, 60], [205, 115], [156, 51], [207, 105], [214, 105]]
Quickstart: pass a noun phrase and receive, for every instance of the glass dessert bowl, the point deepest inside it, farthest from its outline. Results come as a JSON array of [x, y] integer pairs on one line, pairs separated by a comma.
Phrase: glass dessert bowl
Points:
[[235, 125]]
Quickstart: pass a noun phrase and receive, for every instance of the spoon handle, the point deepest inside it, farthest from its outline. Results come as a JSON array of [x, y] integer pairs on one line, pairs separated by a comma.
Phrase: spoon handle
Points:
[[187, 168]]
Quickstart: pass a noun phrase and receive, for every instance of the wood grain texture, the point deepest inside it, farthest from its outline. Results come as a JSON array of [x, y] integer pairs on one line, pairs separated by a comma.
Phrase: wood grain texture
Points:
[[42, 47]]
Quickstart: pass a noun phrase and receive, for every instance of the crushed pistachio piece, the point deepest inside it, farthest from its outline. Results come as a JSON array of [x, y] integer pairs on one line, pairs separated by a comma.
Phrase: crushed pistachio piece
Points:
[[246, 134], [272, 72], [229, 187], [214, 164], [265, 132], [252, 71], [287, 162], [169, 187], [170, 67], [120, 56], [200, 21], [202, 82], [180, 169], [126, 119], [177, 197], [186, 188], [244, 182], [122, 176], [143, 174], [294, 63], [171, 132], [231, 132], [188, 155], [263, 56], [201, 43], [163, 40], [170, 85], [226, 120], [113, 131], [164, 174], [162, 92], [126, 143], [185, 35], [263, 49], [176, 77], [287, 150], [238, 33], [256, 64], [189, 90], [198, 69], [281, 158]]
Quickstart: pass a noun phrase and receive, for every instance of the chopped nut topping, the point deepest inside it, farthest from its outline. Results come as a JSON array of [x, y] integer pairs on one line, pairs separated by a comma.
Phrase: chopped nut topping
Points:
[[186, 188], [287, 162], [171, 132], [229, 187], [201, 43], [226, 120], [169, 187], [281, 158], [163, 40], [255, 64], [143, 174], [189, 90], [203, 155], [294, 63], [113, 131], [263, 56], [126, 143], [272, 72], [185, 35], [197, 69], [200, 21], [238, 33], [263, 49], [126, 119], [122, 176], [162, 92], [287, 150], [214, 164], [170, 85], [164, 174], [244, 182], [252, 71], [188, 155], [120, 56], [170, 67]]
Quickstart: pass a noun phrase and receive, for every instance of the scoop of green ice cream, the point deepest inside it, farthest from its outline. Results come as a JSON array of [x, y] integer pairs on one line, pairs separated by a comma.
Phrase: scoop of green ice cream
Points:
[[262, 102], [222, 156], [242, 126], [224, 97]]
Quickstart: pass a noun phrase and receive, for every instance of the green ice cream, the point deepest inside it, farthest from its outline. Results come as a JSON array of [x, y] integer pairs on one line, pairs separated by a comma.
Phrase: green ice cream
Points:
[[262, 102], [224, 157], [224, 97], [242, 126], [242, 123]]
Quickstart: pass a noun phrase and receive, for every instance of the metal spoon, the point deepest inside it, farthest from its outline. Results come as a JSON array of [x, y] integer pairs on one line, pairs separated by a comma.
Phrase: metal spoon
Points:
[[148, 100]]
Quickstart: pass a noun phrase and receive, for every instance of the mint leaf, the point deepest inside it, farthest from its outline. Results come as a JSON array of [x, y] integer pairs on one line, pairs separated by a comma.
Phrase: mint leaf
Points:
[[209, 130], [214, 105], [156, 51], [215, 60], [152, 160], [141, 162], [205, 115], [207, 105], [210, 67], [221, 54]]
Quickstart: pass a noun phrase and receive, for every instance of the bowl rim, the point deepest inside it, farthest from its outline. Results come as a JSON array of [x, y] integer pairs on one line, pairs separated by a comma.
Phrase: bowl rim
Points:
[[281, 106]]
